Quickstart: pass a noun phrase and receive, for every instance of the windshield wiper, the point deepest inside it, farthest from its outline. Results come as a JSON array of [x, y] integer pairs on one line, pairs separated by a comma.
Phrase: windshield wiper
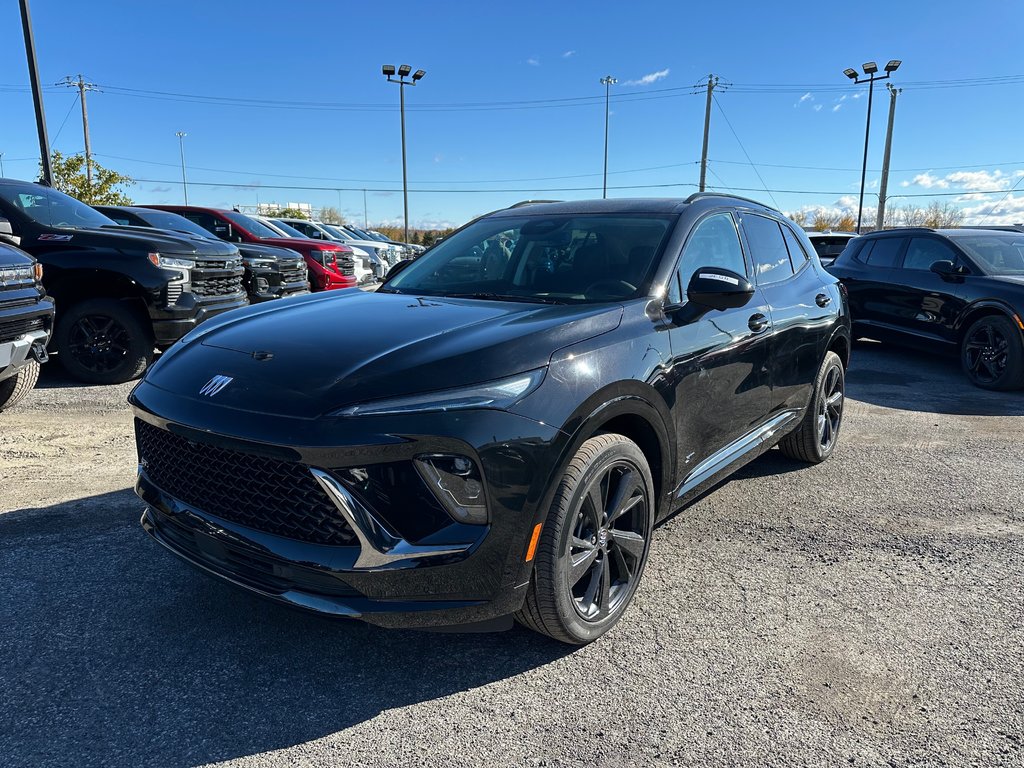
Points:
[[504, 297]]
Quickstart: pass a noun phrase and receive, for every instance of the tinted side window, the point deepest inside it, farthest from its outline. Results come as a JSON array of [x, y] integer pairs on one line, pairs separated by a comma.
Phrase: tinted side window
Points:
[[767, 249], [204, 220], [883, 252], [925, 251], [714, 242], [797, 254]]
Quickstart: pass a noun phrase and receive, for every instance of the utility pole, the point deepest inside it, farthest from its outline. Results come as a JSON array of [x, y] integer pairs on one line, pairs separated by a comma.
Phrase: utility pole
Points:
[[82, 87], [711, 85], [884, 183], [366, 221], [1, 165], [37, 94], [607, 81]]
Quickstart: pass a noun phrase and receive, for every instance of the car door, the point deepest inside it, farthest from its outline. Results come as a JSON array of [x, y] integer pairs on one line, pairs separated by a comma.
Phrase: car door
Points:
[[718, 373], [867, 275], [801, 307], [920, 302]]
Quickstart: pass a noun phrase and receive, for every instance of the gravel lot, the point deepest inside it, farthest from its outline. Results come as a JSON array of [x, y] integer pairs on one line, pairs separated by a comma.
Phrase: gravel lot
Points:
[[867, 611]]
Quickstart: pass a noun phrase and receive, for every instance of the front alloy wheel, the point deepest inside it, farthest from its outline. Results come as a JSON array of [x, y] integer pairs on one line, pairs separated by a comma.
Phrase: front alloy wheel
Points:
[[594, 543], [992, 354]]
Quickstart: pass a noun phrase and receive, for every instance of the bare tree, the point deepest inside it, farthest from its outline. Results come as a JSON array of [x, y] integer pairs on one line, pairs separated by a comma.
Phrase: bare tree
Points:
[[943, 215], [799, 218], [331, 215], [846, 223], [824, 220]]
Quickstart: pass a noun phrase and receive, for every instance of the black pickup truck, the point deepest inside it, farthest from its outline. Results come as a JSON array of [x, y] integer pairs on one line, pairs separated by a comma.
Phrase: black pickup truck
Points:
[[26, 319], [270, 272], [121, 292]]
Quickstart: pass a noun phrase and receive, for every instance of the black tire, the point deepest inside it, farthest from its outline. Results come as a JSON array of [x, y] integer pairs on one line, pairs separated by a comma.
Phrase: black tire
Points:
[[816, 436], [608, 471], [14, 388], [103, 341], [992, 354]]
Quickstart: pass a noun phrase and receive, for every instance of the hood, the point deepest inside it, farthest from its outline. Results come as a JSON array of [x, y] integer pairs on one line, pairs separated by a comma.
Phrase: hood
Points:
[[150, 239], [298, 244], [255, 250], [327, 351]]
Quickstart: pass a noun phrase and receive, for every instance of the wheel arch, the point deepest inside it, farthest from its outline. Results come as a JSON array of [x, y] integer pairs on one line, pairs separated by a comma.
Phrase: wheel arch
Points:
[[984, 308], [840, 344], [70, 286]]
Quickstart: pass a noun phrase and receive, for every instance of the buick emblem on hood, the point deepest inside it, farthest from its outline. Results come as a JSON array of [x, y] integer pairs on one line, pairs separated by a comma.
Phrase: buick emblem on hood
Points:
[[215, 385]]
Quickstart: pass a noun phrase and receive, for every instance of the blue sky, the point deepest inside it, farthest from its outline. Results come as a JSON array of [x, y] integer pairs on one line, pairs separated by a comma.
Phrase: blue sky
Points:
[[291, 95]]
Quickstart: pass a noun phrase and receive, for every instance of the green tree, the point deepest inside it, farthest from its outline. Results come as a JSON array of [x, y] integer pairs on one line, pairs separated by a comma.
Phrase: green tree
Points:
[[331, 215], [286, 213], [69, 177]]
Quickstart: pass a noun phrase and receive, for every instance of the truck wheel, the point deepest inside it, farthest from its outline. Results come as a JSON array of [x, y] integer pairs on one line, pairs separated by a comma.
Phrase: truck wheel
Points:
[[17, 386], [594, 543], [103, 341]]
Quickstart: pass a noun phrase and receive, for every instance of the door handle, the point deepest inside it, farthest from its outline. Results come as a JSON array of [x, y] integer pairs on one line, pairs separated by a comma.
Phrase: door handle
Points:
[[757, 323], [822, 299]]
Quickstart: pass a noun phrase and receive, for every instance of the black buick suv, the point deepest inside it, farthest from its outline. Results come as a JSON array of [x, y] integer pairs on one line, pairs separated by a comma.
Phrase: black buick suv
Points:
[[520, 407]]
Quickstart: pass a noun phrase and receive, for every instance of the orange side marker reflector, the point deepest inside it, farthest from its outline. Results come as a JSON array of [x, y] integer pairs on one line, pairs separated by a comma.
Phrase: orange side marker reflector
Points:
[[533, 542], [1019, 323]]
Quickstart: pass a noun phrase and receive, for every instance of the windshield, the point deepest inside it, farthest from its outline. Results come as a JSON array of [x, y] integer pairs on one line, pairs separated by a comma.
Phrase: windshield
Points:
[[168, 220], [997, 253], [289, 230], [51, 208], [249, 224], [557, 259], [337, 232], [359, 233]]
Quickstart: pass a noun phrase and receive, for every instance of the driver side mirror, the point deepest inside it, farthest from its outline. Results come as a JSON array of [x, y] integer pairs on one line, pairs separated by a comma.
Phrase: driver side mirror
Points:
[[946, 269], [719, 289], [7, 231]]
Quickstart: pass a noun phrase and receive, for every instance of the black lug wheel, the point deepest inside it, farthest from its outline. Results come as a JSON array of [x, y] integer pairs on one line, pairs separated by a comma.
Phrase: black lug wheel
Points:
[[816, 435], [594, 543], [103, 341], [991, 354]]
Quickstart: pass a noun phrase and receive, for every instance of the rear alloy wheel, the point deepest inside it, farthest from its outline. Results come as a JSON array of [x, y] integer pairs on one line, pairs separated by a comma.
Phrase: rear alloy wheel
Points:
[[594, 543], [992, 354], [14, 388], [815, 437], [102, 341]]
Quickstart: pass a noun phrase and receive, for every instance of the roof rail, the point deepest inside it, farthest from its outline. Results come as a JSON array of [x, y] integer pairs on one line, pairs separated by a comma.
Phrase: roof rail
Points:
[[522, 203], [700, 195]]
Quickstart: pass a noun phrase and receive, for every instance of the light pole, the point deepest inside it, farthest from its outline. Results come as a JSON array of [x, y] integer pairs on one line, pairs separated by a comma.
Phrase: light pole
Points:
[[388, 71], [181, 149], [870, 69], [607, 81]]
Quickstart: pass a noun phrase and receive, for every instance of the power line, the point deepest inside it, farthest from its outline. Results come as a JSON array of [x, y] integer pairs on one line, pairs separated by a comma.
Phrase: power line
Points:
[[62, 123], [717, 102], [1000, 200]]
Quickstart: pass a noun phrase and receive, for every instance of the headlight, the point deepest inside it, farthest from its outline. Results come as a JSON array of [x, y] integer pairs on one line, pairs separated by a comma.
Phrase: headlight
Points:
[[20, 274], [167, 262], [497, 395], [259, 263]]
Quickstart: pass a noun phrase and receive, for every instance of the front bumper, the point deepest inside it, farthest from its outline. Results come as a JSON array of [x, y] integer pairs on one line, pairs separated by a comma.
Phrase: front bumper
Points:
[[15, 355], [268, 283], [458, 575]]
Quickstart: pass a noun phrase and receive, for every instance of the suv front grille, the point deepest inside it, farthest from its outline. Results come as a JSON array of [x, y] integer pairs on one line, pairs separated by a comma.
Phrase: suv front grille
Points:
[[270, 495], [216, 286], [12, 329]]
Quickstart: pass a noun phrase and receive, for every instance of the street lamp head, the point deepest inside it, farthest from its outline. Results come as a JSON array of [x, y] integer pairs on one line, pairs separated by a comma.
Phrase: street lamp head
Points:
[[608, 80], [404, 70], [388, 70], [850, 73], [180, 134], [418, 75], [870, 68], [893, 65]]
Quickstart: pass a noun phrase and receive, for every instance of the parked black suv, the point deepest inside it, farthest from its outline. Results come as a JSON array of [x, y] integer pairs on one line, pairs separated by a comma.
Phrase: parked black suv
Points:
[[119, 292], [948, 289], [503, 433], [26, 318], [270, 273]]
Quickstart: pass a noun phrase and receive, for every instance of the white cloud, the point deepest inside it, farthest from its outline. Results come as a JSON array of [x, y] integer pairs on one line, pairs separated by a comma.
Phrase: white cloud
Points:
[[568, 54], [927, 180], [817, 107], [978, 180], [1007, 211], [653, 77], [857, 95], [837, 107], [846, 202], [806, 97], [533, 61]]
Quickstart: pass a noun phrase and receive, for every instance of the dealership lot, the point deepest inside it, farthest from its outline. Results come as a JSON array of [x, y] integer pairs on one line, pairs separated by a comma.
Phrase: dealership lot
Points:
[[866, 610]]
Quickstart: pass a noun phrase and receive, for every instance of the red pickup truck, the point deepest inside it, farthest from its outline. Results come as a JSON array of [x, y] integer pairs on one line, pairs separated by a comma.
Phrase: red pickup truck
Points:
[[330, 264]]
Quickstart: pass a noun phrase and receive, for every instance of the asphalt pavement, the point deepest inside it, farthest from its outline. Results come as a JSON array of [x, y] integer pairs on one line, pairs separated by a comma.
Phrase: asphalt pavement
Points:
[[867, 611]]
